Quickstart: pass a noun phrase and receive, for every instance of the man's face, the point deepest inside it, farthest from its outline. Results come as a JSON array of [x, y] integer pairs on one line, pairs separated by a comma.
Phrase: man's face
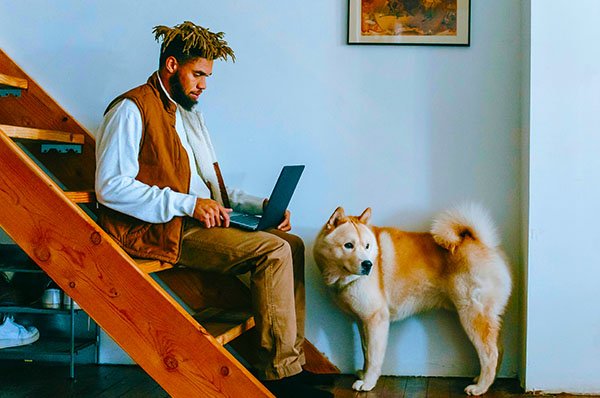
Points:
[[189, 80]]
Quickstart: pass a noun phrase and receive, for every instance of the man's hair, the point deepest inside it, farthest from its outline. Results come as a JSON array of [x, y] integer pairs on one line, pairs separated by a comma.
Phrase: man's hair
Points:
[[187, 41]]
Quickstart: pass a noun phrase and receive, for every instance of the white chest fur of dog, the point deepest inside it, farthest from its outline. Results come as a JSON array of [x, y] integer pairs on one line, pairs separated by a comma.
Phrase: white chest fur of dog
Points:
[[380, 275]]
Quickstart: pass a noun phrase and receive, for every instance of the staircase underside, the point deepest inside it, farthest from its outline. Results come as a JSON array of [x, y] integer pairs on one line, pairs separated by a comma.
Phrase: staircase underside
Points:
[[178, 340]]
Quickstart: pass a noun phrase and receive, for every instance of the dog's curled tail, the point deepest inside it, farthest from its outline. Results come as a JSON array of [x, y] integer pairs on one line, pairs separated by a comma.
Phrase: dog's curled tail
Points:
[[470, 220]]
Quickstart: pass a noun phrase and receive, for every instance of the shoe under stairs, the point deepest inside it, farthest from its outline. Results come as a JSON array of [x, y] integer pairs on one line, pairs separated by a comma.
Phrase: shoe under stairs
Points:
[[177, 339]]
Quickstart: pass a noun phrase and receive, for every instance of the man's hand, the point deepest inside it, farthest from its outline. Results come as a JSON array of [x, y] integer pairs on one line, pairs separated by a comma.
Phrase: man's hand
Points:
[[211, 214], [285, 225]]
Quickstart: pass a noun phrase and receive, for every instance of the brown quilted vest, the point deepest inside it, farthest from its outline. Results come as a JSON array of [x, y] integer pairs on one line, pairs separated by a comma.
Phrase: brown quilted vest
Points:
[[163, 162]]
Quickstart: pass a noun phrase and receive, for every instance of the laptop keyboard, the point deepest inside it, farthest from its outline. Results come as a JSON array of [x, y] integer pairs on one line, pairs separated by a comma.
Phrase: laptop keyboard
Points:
[[245, 219]]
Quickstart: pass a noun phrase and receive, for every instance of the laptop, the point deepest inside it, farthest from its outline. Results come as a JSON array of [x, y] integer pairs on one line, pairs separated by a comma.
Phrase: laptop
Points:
[[278, 203]]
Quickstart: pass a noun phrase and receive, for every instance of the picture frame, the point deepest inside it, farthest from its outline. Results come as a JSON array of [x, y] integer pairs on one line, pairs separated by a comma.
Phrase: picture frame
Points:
[[410, 22]]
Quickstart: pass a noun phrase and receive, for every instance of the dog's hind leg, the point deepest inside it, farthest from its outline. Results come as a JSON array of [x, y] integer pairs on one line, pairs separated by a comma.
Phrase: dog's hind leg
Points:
[[482, 329], [374, 336]]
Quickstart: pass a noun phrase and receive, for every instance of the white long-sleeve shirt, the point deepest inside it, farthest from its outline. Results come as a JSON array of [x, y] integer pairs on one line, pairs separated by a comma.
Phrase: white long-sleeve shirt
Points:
[[117, 150]]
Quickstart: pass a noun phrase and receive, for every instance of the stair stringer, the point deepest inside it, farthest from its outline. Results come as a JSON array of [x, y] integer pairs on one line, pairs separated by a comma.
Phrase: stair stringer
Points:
[[92, 269]]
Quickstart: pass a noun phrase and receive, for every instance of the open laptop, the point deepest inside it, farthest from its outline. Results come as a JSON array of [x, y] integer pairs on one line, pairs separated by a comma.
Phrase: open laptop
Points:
[[278, 203]]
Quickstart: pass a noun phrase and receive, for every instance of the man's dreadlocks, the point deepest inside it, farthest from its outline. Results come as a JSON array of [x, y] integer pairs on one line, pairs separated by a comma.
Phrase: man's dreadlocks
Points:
[[187, 40]]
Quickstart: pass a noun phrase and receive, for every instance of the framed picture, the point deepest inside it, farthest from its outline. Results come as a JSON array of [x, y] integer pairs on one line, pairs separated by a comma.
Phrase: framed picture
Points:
[[432, 22]]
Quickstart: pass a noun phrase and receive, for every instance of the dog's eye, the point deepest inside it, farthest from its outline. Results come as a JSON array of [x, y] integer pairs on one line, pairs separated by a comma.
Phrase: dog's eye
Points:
[[349, 245], [367, 246]]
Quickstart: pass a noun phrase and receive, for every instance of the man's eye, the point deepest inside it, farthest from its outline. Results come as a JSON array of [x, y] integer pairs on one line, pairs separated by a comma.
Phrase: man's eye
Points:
[[349, 245]]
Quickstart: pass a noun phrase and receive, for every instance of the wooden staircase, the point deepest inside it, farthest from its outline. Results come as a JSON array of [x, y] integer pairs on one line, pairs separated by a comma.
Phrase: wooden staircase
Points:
[[47, 208]]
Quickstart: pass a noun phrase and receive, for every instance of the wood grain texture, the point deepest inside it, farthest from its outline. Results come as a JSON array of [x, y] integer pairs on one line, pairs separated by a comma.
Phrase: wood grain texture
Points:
[[36, 109], [83, 197], [13, 82], [85, 262]]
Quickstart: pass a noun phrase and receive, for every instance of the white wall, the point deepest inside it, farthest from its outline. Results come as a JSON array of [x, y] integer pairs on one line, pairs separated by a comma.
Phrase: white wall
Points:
[[563, 322], [407, 130]]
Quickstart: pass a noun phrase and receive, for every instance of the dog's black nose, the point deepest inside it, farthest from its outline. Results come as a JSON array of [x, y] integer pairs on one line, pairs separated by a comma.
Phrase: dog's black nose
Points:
[[365, 267]]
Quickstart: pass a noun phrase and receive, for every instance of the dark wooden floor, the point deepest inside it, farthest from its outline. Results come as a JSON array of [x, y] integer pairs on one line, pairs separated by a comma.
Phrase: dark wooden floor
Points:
[[26, 380]]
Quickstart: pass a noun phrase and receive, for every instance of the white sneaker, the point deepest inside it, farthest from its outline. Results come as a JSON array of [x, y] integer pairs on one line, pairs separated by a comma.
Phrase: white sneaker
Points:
[[12, 334]]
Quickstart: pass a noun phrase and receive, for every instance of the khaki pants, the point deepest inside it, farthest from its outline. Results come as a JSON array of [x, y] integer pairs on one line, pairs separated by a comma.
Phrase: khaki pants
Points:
[[275, 261]]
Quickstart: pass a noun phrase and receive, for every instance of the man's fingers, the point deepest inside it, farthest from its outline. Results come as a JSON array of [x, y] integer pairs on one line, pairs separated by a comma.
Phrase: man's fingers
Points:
[[225, 216], [217, 219], [211, 214], [285, 224]]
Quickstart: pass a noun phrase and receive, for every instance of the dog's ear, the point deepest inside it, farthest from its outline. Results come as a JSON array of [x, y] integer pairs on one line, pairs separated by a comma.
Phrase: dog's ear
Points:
[[335, 218], [365, 217]]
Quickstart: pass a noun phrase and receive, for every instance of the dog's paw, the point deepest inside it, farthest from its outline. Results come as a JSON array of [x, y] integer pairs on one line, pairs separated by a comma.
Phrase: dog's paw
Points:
[[361, 385], [475, 389]]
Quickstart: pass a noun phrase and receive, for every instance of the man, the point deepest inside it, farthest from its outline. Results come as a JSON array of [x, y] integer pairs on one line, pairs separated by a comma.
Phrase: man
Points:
[[163, 197]]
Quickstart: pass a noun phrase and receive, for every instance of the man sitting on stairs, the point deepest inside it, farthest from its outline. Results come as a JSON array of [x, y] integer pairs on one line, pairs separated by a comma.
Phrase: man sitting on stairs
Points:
[[162, 197]]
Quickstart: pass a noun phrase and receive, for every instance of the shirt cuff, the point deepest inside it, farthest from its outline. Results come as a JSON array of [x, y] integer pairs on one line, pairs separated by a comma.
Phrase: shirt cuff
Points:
[[188, 204]]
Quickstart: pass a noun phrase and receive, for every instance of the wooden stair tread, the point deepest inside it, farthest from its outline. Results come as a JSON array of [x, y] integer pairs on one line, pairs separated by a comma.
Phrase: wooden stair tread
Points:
[[81, 196], [225, 325], [151, 266], [28, 133], [13, 82]]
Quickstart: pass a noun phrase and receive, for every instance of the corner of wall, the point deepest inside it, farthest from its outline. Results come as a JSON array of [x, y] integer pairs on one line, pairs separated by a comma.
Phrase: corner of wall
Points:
[[525, 136]]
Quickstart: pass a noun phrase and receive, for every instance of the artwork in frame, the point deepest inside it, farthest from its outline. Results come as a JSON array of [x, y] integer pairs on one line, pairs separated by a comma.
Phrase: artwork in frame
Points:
[[433, 22]]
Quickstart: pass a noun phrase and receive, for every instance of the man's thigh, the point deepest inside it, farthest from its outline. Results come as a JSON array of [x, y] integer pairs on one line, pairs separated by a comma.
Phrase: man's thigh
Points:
[[225, 250]]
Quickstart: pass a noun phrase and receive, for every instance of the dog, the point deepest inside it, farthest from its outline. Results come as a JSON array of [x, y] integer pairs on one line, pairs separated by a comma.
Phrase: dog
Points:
[[384, 274]]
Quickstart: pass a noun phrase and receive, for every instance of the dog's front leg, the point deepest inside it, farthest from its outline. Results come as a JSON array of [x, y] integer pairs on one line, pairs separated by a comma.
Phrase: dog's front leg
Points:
[[374, 335]]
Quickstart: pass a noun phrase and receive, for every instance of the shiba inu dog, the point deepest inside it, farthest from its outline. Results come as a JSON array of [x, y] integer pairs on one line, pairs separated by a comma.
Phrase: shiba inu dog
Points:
[[384, 274]]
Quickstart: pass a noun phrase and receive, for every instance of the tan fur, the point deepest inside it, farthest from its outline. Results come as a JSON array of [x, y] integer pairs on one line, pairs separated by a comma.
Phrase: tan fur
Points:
[[457, 266]]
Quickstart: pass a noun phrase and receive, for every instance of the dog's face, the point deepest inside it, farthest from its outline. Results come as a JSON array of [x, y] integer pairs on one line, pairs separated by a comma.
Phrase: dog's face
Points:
[[346, 246]]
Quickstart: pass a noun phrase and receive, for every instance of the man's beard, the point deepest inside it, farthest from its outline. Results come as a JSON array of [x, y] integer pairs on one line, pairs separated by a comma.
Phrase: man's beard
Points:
[[179, 95]]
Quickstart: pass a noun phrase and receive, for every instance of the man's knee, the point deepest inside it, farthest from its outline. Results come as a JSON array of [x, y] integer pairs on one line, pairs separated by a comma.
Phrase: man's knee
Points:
[[296, 243], [275, 247], [285, 249]]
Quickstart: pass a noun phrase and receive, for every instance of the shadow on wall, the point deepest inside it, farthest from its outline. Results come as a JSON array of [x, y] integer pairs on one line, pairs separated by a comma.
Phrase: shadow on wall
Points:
[[4, 238]]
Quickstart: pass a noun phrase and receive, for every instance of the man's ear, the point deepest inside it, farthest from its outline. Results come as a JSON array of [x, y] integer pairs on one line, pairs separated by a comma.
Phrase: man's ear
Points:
[[171, 64], [337, 216], [365, 217]]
